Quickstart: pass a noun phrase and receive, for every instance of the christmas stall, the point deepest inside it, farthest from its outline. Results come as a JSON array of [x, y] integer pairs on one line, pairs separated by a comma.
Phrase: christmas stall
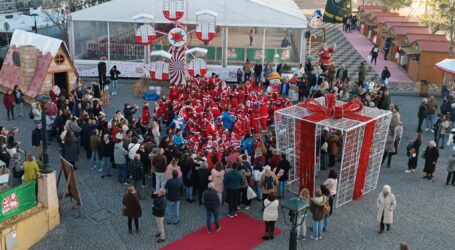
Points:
[[37, 63], [403, 44], [448, 67], [425, 54], [299, 127], [383, 33]]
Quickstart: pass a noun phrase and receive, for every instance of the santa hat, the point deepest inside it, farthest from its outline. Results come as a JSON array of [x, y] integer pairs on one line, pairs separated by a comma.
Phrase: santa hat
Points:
[[146, 103]]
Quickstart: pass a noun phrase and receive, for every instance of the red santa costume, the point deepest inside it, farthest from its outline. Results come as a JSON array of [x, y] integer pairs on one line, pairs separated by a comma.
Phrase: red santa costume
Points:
[[325, 56], [173, 93], [145, 117], [210, 129], [256, 117], [264, 115]]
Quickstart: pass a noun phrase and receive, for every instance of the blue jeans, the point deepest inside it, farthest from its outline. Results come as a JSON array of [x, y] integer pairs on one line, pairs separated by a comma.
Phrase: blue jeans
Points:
[[95, 160], [114, 86], [160, 180], [121, 173], [258, 190], [189, 193], [302, 228], [172, 212], [257, 78], [326, 220], [106, 166], [21, 109], [215, 214], [442, 140], [317, 229], [430, 120], [281, 188]]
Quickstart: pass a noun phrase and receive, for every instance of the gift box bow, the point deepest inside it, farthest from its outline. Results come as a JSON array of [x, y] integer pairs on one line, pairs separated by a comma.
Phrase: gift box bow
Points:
[[331, 109]]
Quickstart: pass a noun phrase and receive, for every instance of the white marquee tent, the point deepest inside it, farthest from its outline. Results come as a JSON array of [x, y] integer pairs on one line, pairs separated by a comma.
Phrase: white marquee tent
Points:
[[234, 14], [239, 13]]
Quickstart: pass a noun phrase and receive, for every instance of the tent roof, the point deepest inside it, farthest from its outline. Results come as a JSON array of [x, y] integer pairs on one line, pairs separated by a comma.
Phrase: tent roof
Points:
[[44, 43], [240, 13], [446, 65]]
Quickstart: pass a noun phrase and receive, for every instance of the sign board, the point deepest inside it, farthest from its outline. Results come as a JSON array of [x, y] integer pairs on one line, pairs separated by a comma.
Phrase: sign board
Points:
[[17, 200]]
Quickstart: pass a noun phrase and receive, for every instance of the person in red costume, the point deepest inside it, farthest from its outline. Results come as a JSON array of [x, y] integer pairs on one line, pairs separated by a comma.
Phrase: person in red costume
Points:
[[264, 116], [173, 93], [325, 56], [210, 128], [145, 117]]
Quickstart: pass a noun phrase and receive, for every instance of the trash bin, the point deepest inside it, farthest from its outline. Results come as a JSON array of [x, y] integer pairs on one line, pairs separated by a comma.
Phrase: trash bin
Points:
[[424, 87]]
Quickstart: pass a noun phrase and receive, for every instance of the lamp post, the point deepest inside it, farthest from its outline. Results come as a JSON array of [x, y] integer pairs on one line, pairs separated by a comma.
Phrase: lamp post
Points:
[[297, 207], [34, 15], [43, 99]]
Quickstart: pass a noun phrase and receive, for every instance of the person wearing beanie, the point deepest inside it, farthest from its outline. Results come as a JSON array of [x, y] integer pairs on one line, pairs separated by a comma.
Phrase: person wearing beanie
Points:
[[212, 204], [386, 203]]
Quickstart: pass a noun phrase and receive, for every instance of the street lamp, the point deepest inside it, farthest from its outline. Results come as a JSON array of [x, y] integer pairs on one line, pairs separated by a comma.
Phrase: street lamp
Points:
[[297, 207], [34, 15], [43, 99]]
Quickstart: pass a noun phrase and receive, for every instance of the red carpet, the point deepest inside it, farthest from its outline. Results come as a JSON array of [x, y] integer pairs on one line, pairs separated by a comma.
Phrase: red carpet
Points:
[[240, 233]]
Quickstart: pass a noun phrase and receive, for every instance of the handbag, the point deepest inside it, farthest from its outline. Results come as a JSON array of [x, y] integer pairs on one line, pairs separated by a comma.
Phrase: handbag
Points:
[[250, 194], [369, 57]]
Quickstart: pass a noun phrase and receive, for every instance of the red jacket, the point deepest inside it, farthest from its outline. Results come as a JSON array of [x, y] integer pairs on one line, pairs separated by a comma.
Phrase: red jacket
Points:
[[9, 101]]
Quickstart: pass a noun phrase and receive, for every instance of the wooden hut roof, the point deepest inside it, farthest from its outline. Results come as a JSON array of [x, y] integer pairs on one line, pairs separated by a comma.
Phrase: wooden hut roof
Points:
[[410, 38], [383, 19], [403, 30], [431, 46]]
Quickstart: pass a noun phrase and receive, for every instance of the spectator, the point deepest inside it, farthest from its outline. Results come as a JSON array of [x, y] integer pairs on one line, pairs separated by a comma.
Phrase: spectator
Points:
[[94, 147], [282, 172], [270, 216], [71, 151], [331, 184], [188, 175], [158, 211], [301, 219], [268, 182], [217, 178], [37, 141], [106, 150], [31, 169], [120, 155], [374, 54], [114, 72], [386, 203], [202, 179], [257, 72], [212, 204], [232, 184], [10, 102], [285, 42], [19, 99], [15, 171], [159, 163], [132, 209], [430, 117], [431, 156], [316, 204], [136, 170], [174, 189], [422, 113], [389, 149]]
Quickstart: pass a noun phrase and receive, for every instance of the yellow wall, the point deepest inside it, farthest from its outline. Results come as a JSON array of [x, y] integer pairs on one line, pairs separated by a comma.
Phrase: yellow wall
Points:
[[31, 228]]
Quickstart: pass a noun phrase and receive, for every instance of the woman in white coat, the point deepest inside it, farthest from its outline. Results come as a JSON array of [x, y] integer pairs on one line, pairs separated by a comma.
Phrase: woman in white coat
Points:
[[386, 204], [270, 216]]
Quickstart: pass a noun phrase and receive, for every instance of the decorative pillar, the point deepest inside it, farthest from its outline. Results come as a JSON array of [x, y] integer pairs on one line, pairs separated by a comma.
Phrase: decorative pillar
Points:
[[302, 47], [225, 41], [108, 41]]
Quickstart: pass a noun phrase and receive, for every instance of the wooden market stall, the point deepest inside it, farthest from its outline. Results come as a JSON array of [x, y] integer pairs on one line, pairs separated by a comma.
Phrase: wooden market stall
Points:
[[384, 33], [372, 22], [406, 41], [423, 55]]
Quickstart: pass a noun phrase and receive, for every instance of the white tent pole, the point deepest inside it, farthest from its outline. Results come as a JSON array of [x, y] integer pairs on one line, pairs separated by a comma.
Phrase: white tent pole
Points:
[[225, 41], [263, 45], [72, 48], [302, 46], [108, 41]]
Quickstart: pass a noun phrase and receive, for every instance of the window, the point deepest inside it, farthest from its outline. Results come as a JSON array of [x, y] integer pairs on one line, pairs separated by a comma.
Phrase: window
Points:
[[59, 59]]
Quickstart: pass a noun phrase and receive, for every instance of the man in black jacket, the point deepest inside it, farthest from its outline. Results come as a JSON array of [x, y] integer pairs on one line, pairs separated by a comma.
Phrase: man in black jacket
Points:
[[37, 141], [174, 189], [212, 205], [129, 111], [158, 210], [106, 152], [423, 110]]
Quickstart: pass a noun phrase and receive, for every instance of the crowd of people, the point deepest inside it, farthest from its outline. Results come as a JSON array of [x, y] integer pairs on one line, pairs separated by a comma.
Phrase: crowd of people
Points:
[[212, 143]]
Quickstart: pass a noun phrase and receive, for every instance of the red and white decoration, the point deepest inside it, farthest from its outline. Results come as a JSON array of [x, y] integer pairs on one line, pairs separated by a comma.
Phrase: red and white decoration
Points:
[[363, 129], [206, 25], [197, 66], [145, 34], [159, 70], [177, 37], [177, 65], [173, 10]]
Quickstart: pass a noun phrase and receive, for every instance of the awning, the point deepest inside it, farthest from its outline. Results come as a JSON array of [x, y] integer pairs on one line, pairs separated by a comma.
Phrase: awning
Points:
[[409, 51], [446, 65]]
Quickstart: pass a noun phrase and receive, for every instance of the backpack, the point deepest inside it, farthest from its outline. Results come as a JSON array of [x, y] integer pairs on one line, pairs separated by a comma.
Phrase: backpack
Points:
[[268, 182], [31, 115], [326, 208]]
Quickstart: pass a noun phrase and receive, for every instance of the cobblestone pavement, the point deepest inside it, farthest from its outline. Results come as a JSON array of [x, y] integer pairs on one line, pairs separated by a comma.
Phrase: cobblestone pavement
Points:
[[422, 217]]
